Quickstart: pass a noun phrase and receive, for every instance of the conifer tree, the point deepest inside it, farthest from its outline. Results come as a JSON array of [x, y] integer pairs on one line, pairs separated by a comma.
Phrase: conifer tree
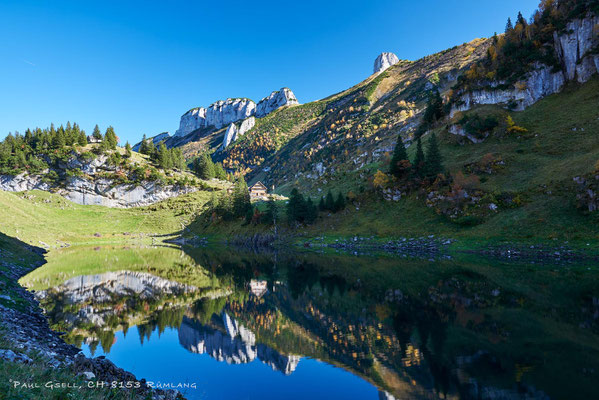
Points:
[[419, 159], [310, 211], [143, 146], [397, 168], [82, 140], [110, 138], [340, 202], [204, 167], [434, 161], [295, 206], [128, 149], [219, 172], [321, 205], [509, 26], [96, 133], [241, 198], [329, 202]]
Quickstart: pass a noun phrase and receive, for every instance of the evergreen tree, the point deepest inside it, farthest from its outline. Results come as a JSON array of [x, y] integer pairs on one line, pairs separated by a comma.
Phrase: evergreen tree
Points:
[[219, 172], [241, 198], [295, 206], [321, 205], [82, 140], [397, 168], [329, 202], [509, 26], [434, 161], [96, 133], [310, 211], [340, 202], [272, 211], [143, 146], [58, 140], [434, 108], [520, 20], [110, 138], [204, 167], [419, 159], [128, 149], [164, 159]]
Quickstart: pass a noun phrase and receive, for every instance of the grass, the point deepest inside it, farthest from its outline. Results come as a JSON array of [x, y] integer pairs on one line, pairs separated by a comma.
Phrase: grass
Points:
[[62, 221]]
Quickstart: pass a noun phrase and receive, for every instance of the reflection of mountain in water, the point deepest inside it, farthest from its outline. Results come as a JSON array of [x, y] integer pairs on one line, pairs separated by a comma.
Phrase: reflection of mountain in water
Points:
[[237, 345], [104, 287]]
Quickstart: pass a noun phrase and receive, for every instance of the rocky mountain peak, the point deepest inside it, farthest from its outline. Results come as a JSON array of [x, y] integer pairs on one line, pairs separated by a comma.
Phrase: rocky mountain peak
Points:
[[276, 99], [384, 61]]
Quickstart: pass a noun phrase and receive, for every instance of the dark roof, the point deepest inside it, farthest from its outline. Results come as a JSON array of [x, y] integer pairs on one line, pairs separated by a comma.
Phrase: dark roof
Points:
[[258, 185]]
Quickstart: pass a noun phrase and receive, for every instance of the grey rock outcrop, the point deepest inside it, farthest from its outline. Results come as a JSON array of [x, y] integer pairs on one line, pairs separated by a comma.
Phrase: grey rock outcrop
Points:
[[155, 139], [223, 113], [276, 99], [22, 182], [103, 192], [103, 287], [578, 63], [236, 345], [95, 191], [233, 132], [219, 114], [384, 61]]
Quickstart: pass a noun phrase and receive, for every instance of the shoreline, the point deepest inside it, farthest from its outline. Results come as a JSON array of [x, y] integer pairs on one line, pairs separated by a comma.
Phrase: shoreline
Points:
[[26, 340]]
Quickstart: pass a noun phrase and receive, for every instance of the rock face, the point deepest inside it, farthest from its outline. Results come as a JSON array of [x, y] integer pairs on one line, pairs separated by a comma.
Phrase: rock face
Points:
[[103, 192], [155, 139], [219, 114], [277, 99], [233, 132], [98, 191], [574, 51], [102, 287], [384, 61], [237, 345], [223, 113]]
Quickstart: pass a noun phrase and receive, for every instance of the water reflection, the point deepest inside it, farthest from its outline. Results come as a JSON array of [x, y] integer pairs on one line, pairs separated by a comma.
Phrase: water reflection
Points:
[[409, 329]]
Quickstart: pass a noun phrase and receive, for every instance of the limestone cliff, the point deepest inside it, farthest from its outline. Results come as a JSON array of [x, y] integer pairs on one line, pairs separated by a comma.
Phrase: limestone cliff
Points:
[[223, 113], [276, 99], [84, 181], [384, 61], [233, 132], [574, 48]]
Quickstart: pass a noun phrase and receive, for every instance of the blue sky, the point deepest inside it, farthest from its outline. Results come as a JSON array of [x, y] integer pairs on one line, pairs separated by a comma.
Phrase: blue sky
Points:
[[139, 65]]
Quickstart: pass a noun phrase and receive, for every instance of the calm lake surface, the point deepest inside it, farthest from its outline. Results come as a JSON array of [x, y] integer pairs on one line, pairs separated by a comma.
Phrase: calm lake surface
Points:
[[226, 323]]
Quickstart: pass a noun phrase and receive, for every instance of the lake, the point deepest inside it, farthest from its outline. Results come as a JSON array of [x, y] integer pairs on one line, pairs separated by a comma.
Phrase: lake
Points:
[[228, 323]]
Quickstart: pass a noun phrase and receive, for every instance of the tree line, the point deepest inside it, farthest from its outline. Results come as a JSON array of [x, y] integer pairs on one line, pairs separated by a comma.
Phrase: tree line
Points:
[[422, 166], [164, 157]]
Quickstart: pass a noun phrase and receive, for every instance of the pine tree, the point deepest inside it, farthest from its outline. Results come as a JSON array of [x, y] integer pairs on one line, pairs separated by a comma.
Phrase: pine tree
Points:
[[321, 205], [295, 206], [96, 133], [397, 168], [419, 159], [58, 140], [340, 202], [241, 198], [434, 161], [128, 149], [204, 167], [329, 202], [143, 146], [509, 26], [520, 20], [272, 210], [310, 211], [82, 139], [110, 138], [219, 172], [164, 160]]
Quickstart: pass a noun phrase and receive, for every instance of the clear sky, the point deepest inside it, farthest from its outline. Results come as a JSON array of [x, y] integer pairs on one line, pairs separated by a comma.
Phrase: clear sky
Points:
[[139, 65]]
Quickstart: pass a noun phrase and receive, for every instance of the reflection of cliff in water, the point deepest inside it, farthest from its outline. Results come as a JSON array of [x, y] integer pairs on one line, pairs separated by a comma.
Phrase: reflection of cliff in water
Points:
[[225, 339]]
